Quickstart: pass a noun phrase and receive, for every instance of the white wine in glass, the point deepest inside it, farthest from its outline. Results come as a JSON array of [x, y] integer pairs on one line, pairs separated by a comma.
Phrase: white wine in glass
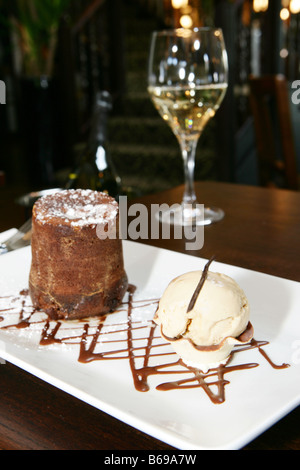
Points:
[[187, 81]]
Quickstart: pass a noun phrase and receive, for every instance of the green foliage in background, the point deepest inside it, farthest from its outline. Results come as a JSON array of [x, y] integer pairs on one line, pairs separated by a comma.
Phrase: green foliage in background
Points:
[[37, 23]]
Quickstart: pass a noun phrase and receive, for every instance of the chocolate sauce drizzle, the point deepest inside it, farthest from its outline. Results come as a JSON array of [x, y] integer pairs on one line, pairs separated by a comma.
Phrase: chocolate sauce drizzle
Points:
[[136, 341]]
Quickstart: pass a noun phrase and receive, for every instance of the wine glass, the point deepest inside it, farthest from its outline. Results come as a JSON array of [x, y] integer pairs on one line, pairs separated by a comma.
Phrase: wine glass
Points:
[[187, 81]]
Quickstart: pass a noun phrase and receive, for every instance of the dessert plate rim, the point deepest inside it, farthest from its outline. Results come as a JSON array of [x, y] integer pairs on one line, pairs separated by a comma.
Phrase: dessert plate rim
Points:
[[170, 416]]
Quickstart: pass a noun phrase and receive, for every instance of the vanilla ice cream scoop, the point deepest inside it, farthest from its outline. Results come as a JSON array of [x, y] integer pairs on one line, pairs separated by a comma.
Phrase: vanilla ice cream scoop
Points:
[[203, 314]]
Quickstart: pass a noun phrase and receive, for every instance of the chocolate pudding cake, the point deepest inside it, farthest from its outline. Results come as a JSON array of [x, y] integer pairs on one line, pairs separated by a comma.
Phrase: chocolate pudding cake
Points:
[[74, 272]]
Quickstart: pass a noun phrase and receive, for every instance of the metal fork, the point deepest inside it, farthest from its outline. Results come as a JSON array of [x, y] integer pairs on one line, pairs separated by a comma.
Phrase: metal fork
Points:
[[21, 238]]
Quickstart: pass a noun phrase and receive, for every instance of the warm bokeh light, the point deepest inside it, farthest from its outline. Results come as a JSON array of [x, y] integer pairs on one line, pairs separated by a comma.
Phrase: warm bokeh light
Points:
[[179, 3], [186, 21], [284, 53], [284, 14], [260, 5], [295, 6]]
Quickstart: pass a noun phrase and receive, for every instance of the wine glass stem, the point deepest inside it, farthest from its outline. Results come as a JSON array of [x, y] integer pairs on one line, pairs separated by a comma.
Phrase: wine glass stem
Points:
[[188, 149]]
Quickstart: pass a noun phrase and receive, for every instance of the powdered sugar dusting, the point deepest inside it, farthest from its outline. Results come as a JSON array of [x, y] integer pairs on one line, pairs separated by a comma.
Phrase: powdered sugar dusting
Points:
[[77, 208]]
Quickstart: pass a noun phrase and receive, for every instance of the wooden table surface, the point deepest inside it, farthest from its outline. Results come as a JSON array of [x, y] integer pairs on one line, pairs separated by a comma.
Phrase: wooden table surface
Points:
[[260, 231]]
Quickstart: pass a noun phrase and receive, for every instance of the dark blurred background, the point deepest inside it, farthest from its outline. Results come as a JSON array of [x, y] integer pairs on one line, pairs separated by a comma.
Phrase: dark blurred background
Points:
[[55, 54]]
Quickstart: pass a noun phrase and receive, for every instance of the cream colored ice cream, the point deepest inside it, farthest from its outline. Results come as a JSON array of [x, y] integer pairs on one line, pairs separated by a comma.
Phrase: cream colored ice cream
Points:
[[203, 331]]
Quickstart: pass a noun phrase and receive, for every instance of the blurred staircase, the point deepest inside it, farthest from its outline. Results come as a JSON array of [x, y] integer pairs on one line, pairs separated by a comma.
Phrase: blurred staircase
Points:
[[144, 149]]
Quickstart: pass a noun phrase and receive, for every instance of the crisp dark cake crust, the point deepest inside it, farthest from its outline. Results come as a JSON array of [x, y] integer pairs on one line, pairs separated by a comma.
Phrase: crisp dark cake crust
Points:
[[75, 274]]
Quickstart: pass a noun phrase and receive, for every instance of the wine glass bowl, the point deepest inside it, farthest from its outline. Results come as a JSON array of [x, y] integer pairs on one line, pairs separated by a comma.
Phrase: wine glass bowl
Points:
[[187, 81]]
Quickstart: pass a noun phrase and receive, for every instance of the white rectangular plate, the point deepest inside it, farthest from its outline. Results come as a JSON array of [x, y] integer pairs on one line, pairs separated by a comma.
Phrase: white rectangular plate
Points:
[[186, 418]]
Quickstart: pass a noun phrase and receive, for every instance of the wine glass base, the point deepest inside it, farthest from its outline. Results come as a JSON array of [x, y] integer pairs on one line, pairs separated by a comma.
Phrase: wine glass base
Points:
[[213, 215], [183, 216]]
